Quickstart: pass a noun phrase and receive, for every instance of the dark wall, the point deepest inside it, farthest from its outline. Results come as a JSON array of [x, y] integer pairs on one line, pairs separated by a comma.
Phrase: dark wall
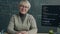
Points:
[[9, 7]]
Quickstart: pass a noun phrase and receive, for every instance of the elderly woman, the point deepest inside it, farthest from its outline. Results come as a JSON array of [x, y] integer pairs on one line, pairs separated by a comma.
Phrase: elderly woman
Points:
[[22, 23]]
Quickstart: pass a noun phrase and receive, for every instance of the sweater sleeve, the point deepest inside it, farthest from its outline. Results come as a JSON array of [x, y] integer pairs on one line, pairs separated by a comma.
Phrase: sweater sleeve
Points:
[[10, 28], [33, 29]]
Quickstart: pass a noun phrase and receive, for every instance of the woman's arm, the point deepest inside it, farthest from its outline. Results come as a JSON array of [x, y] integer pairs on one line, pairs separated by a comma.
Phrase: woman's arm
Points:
[[33, 26], [10, 28]]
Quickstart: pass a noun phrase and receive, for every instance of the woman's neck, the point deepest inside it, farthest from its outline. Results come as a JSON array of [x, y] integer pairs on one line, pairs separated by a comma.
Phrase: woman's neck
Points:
[[22, 16]]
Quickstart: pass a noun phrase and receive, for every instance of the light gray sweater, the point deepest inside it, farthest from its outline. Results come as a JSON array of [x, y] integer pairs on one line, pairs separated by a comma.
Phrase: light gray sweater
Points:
[[16, 24]]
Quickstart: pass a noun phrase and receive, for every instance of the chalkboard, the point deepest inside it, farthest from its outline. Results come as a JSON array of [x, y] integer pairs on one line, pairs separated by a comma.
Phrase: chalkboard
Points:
[[51, 15]]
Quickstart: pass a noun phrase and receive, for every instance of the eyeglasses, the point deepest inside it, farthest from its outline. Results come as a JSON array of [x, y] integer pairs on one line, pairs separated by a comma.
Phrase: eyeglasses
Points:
[[23, 6]]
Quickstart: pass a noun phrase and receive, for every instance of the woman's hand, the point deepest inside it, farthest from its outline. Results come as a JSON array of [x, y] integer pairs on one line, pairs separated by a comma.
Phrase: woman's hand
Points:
[[18, 33], [24, 32]]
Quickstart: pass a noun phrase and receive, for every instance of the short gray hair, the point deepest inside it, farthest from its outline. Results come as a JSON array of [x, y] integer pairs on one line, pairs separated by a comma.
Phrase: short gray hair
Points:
[[26, 2]]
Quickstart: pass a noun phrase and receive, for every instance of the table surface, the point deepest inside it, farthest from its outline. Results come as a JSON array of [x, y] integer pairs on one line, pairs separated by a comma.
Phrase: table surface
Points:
[[45, 33], [42, 33]]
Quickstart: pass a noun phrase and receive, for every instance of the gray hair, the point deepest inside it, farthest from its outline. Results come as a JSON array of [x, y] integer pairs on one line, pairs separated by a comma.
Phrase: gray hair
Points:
[[26, 2]]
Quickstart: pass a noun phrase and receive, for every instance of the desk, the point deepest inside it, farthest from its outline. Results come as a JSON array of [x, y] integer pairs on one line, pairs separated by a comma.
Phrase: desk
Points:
[[45, 33], [37, 33]]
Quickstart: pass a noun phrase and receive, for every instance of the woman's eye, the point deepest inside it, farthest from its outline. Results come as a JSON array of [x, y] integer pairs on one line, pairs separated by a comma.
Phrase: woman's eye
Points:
[[24, 6]]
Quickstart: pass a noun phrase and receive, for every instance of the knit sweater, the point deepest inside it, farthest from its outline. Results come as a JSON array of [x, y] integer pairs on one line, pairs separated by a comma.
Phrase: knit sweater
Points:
[[16, 24]]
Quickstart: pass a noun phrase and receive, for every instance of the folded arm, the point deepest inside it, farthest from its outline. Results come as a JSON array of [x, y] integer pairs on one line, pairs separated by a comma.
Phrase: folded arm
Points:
[[33, 26]]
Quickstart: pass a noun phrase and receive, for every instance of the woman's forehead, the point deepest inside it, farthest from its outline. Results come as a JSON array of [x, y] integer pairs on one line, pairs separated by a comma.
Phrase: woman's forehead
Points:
[[25, 4]]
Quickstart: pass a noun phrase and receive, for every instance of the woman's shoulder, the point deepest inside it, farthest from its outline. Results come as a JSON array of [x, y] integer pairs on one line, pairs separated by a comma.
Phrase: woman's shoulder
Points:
[[15, 14], [30, 16]]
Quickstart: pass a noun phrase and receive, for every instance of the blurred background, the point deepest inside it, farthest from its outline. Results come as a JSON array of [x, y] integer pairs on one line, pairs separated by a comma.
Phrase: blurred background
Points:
[[46, 13]]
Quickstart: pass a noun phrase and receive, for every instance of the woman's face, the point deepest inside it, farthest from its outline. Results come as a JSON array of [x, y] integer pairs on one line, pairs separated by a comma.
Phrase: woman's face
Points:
[[23, 8]]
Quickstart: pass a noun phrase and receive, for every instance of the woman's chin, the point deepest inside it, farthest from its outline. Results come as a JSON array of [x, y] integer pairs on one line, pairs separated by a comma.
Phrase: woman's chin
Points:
[[23, 13]]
